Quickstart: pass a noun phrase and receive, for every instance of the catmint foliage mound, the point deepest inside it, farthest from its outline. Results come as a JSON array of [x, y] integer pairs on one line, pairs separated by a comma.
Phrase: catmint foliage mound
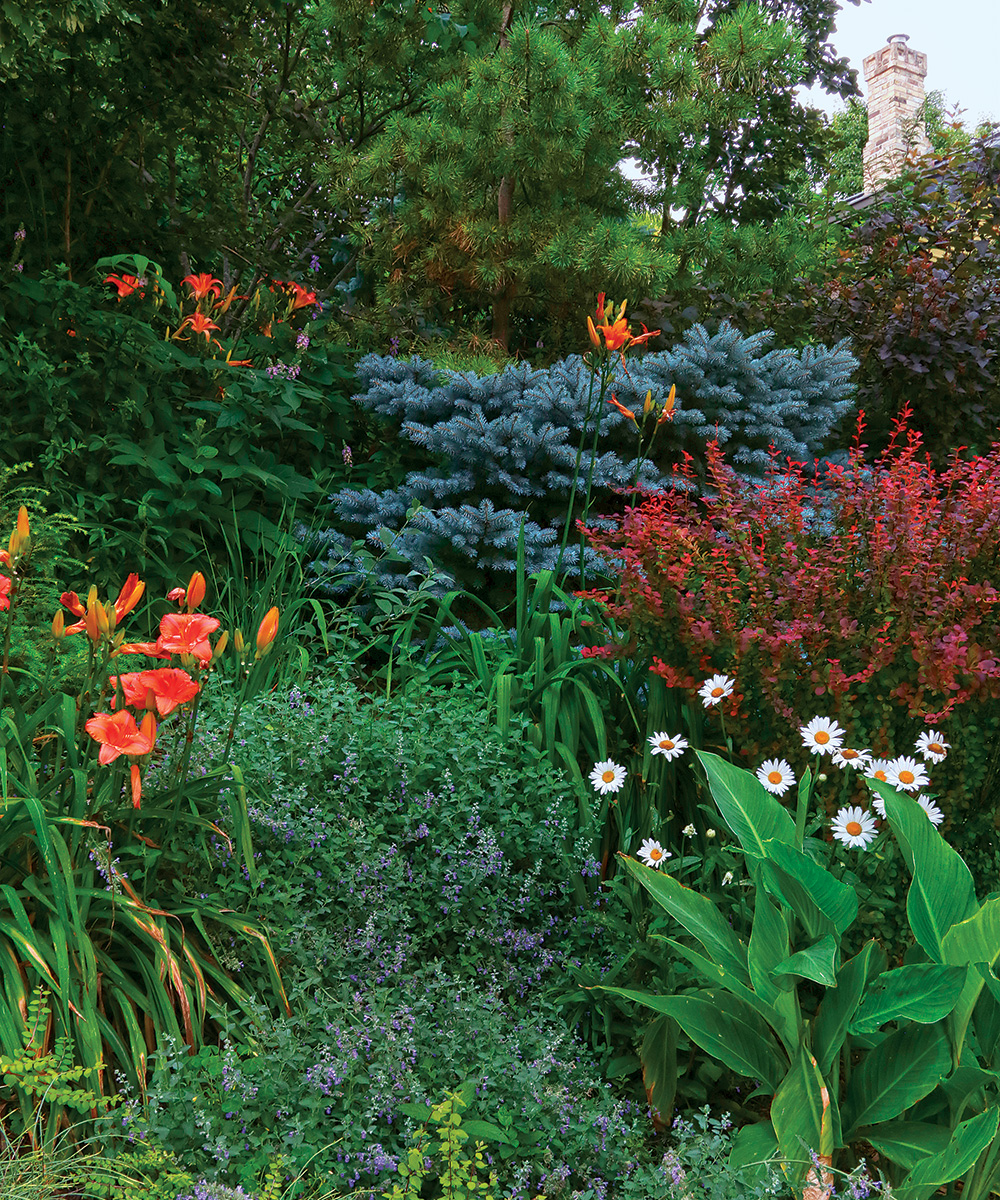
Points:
[[502, 450]]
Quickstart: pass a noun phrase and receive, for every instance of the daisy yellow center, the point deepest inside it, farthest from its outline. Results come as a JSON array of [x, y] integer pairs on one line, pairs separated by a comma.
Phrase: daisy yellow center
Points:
[[822, 737], [881, 775], [608, 776], [906, 776], [935, 747], [853, 828], [717, 691], [848, 754], [656, 854], [774, 777], [666, 744]]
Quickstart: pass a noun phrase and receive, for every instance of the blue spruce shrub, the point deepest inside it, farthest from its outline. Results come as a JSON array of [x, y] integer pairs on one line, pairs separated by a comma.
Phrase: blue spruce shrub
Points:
[[502, 449]]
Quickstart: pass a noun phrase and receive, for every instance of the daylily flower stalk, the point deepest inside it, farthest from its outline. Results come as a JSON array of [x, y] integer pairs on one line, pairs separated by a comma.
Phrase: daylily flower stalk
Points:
[[609, 335]]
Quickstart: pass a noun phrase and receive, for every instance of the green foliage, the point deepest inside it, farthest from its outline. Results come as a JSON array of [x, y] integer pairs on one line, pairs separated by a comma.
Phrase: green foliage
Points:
[[444, 1165], [152, 444], [802, 1014], [83, 870]]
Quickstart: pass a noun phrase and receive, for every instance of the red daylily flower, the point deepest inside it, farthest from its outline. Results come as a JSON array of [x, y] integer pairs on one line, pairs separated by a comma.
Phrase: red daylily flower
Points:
[[151, 649], [119, 734], [187, 633], [203, 285], [613, 399], [126, 284], [90, 620], [5, 586]]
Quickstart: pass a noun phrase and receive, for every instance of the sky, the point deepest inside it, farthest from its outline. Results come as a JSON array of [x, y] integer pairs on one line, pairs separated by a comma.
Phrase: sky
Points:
[[961, 39]]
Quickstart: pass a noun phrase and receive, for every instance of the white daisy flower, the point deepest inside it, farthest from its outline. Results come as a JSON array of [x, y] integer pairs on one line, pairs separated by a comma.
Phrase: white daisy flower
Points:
[[689, 831], [715, 689], [847, 757], [669, 745], [906, 774], [776, 775], [607, 776], [727, 879], [875, 768], [932, 746], [854, 827], [652, 853], [822, 735], [931, 809]]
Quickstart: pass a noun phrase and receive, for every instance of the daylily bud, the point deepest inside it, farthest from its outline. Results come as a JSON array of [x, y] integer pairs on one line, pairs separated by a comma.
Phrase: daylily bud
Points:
[[103, 620], [177, 594], [23, 528], [648, 405], [90, 622], [238, 643], [147, 727], [220, 645], [592, 331], [621, 309], [58, 625], [600, 306], [136, 779], [195, 591], [267, 632]]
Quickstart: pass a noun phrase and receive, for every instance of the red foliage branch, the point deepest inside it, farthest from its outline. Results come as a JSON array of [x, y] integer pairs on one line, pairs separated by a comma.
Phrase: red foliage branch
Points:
[[864, 591]]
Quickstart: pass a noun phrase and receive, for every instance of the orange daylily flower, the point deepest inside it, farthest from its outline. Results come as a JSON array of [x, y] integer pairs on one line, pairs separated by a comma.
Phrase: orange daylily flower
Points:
[[613, 399], [126, 284], [119, 734], [98, 619], [203, 285], [5, 586], [600, 306], [187, 633], [300, 297], [200, 324], [129, 596], [267, 632], [164, 689]]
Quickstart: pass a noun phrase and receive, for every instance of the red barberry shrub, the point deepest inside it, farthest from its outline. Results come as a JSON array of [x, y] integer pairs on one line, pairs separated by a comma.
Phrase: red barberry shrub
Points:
[[864, 592]]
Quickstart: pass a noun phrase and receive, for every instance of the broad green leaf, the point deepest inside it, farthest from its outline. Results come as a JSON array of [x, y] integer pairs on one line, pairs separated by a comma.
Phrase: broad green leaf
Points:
[[724, 1027], [964, 1086], [977, 938], [658, 1056], [901, 1070], [768, 945], [817, 962], [907, 1142], [969, 1140], [486, 1131], [942, 892], [754, 1153], [840, 1004], [716, 976], [923, 992], [800, 1114], [747, 807], [699, 916], [822, 903]]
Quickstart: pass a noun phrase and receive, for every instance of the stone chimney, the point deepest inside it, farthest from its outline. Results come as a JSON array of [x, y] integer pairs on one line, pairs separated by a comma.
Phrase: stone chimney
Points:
[[895, 78]]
